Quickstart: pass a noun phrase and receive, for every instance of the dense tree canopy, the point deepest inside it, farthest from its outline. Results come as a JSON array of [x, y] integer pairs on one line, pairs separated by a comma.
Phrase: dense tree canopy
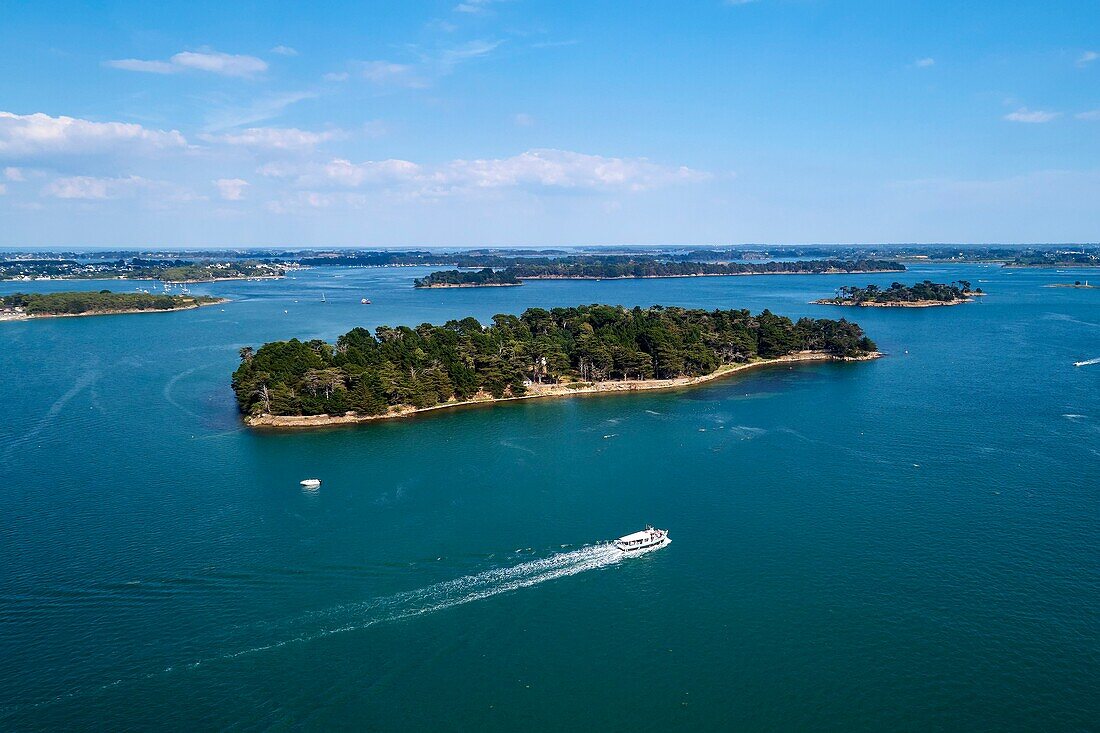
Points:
[[627, 266], [103, 301], [423, 366], [899, 293], [589, 267], [467, 278]]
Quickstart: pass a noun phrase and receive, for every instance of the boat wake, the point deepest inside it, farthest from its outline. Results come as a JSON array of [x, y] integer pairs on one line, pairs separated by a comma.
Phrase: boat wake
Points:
[[451, 593], [387, 609], [1087, 362]]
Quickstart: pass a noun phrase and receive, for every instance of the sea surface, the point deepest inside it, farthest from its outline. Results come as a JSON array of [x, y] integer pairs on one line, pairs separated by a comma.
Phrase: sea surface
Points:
[[906, 544]]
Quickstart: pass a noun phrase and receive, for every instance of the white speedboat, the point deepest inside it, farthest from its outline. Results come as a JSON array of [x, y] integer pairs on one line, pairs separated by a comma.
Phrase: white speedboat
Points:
[[311, 483], [648, 539]]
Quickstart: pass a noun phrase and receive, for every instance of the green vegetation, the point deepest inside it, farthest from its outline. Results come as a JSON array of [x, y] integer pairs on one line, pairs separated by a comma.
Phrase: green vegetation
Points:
[[138, 268], [629, 267], [922, 292], [427, 365], [466, 279], [1074, 284], [610, 267], [103, 301], [1057, 258]]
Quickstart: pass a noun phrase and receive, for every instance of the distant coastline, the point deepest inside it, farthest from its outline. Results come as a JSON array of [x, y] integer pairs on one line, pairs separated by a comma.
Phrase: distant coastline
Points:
[[198, 281], [703, 274], [18, 315], [440, 286], [898, 304], [537, 391], [524, 278]]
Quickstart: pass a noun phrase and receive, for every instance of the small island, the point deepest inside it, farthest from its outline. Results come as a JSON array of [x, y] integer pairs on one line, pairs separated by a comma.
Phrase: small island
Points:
[[22, 306], [1074, 284], [485, 278], [925, 294], [594, 349], [1057, 258]]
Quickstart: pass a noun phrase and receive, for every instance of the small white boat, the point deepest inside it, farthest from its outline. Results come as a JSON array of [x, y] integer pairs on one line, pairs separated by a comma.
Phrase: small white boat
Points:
[[311, 483], [649, 538]]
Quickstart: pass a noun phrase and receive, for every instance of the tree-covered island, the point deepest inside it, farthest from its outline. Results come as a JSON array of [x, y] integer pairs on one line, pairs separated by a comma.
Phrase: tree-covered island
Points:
[[397, 371], [620, 267], [484, 278], [141, 268], [21, 306], [1084, 257], [922, 295]]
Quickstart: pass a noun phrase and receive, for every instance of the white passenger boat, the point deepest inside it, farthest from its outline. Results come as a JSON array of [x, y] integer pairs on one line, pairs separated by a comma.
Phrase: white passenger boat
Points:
[[649, 538], [311, 483]]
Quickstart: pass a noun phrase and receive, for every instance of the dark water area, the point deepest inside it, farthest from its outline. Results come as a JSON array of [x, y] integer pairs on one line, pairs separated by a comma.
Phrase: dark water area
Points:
[[905, 544]]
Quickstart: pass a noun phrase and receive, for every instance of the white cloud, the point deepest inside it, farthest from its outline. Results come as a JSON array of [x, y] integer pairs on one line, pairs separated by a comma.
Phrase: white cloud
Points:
[[231, 189], [3, 189], [263, 108], [14, 174], [925, 62], [388, 73], [274, 138], [475, 6], [336, 76], [374, 128], [445, 61], [90, 187], [565, 169], [285, 51], [345, 173], [1032, 116], [221, 63], [214, 62], [534, 169], [149, 67], [37, 134], [279, 169], [1092, 115], [522, 119], [1087, 58], [430, 65]]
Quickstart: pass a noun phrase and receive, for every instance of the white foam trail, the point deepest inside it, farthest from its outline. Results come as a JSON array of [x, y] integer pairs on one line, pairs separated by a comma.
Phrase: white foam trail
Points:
[[359, 616], [469, 588], [1087, 362], [86, 380]]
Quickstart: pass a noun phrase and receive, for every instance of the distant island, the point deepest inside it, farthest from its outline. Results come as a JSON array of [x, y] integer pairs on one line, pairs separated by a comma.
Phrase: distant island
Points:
[[484, 278], [922, 295], [21, 306], [1057, 258], [399, 371], [1074, 284], [624, 267], [139, 268]]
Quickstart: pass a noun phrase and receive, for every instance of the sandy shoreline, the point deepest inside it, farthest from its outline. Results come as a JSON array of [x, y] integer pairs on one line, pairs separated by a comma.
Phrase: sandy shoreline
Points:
[[217, 279], [467, 285], [33, 317], [536, 391], [896, 304]]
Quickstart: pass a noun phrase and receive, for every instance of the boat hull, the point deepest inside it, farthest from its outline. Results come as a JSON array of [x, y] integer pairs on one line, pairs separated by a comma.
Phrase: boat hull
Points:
[[644, 548]]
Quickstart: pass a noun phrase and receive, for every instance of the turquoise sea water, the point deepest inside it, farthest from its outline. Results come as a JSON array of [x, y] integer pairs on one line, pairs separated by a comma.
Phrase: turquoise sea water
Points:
[[906, 544]]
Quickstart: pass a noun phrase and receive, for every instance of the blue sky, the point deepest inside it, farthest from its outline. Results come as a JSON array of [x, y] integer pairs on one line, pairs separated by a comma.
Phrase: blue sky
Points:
[[538, 122]]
